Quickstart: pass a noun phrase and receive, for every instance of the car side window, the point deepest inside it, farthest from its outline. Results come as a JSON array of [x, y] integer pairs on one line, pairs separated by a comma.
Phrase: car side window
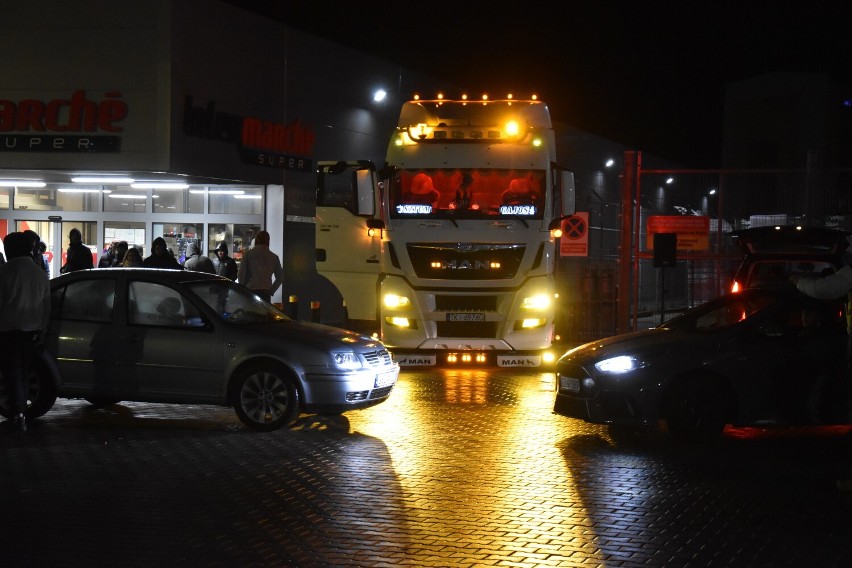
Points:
[[85, 300], [154, 304]]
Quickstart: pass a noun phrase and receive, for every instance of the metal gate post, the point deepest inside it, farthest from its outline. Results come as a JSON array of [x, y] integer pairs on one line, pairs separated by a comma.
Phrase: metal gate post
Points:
[[625, 252]]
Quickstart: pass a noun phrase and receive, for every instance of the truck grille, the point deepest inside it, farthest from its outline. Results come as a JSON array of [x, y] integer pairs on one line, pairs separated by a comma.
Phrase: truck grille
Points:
[[467, 329], [466, 261]]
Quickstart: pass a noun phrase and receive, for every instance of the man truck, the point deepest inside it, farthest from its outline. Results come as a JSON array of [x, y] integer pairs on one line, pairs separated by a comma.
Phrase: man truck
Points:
[[448, 251]]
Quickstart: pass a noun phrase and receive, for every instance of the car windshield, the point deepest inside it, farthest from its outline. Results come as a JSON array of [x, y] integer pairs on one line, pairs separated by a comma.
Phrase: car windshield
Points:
[[235, 303], [721, 313]]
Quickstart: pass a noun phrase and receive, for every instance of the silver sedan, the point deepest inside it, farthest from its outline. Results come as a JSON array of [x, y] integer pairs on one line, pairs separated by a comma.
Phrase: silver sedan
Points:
[[172, 336]]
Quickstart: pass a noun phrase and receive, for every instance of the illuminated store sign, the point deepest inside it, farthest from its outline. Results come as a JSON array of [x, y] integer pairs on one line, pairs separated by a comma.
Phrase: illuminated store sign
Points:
[[69, 125], [259, 142]]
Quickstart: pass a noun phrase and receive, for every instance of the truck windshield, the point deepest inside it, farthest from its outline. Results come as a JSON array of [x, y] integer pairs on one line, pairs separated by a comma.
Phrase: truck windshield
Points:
[[467, 194]]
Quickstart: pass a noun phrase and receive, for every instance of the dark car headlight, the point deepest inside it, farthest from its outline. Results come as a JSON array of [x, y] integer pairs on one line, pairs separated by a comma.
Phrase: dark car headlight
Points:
[[618, 365]]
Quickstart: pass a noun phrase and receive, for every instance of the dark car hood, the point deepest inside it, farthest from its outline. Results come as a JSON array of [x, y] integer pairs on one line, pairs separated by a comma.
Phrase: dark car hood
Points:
[[635, 343]]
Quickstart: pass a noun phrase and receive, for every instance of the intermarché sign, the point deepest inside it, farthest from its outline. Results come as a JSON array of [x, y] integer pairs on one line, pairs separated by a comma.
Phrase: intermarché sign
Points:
[[71, 125]]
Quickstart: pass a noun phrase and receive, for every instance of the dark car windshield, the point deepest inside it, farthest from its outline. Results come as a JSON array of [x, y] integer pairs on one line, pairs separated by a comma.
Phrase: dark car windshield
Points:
[[235, 303], [722, 313]]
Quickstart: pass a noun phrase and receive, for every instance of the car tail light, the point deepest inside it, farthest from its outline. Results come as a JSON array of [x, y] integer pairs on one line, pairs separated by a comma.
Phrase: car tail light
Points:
[[735, 287]]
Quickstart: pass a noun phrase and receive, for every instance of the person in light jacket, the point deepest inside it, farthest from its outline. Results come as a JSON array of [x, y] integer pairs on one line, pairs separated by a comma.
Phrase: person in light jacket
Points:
[[260, 270]]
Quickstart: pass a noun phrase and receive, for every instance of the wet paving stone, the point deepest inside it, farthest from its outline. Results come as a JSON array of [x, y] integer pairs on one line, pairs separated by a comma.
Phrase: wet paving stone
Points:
[[457, 468]]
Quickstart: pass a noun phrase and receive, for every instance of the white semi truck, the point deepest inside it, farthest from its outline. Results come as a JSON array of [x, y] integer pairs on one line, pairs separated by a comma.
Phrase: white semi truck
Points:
[[448, 251]]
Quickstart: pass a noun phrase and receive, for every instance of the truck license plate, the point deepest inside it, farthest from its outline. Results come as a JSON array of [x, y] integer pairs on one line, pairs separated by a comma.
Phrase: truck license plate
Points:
[[465, 317]]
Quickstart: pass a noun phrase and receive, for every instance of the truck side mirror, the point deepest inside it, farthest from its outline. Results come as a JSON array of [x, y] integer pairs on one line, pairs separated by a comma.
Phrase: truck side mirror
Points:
[[365, 181], [568, 194]]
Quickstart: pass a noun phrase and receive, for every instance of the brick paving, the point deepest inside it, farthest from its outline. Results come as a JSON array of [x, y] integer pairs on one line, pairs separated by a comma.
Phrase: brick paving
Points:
[[457, 468]]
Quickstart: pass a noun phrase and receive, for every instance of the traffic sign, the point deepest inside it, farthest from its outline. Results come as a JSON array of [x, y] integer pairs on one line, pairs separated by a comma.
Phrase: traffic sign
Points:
[[575, 235]]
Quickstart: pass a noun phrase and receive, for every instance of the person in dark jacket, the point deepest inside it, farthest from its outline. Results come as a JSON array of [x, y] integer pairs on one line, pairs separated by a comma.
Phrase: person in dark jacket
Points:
[[35, 254], [195, 261], [78, 256], [224, 264], [160, 257], [108, 257]]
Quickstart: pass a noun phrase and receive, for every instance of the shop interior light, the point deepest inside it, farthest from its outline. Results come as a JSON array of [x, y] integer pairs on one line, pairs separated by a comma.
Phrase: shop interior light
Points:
[[226, 192], [250, 196], [159, 185], [78, 190], [103, 179], [21, 183], [128, 196]]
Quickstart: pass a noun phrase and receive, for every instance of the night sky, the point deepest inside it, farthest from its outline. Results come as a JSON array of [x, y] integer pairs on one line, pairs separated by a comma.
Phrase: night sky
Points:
[[649, 75]]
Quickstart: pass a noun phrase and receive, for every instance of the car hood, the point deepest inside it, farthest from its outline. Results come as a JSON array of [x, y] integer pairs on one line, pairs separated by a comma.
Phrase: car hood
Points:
[[636, 343], [314, 335]]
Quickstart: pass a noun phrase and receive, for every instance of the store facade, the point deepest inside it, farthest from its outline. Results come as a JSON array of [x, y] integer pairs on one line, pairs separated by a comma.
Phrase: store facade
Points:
[[191, 120]]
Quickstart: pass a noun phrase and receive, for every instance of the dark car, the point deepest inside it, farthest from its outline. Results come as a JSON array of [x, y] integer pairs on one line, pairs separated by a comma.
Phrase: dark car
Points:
[[760, 357], [772, 254], [189, 337]]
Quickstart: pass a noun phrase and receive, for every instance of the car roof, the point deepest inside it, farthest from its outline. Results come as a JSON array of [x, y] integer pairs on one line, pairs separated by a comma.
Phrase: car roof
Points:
[[790, 240], [164, 275]]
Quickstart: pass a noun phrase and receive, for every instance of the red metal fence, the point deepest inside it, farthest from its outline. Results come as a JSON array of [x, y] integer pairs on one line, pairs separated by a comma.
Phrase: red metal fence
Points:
[[617, 288]]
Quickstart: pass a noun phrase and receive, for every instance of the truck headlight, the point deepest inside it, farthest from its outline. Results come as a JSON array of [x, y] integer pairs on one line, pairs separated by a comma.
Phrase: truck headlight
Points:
[[394, 301], [346, 360], [537, 302]]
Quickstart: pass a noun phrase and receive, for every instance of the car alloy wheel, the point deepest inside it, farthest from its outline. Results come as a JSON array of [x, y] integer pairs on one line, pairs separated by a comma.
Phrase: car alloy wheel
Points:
[[265, 399]]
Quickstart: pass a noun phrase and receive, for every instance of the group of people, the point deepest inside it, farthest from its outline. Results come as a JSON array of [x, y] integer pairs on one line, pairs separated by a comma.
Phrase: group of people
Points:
[[121, 254]]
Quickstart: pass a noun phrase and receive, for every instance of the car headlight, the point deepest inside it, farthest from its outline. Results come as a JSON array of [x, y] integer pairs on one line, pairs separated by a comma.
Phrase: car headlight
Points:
[[616, 365], [346, 360]]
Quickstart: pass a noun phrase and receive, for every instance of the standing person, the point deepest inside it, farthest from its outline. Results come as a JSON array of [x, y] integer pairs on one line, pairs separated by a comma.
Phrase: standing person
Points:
[[41, 248], [34, 239], [24, 316], [132, 258], [224, 264], [78, 256], [120, 252], [160, 257], [195, 261], [108, 256], [260, 270], [829, 287]]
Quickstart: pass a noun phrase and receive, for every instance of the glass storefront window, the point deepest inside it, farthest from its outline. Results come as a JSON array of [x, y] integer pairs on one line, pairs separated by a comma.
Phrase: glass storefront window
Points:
[[178, 236], [178, 200], [237, 237], [237, 200], [36, 199], [78, 198], [125, 199], [133, 233]]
